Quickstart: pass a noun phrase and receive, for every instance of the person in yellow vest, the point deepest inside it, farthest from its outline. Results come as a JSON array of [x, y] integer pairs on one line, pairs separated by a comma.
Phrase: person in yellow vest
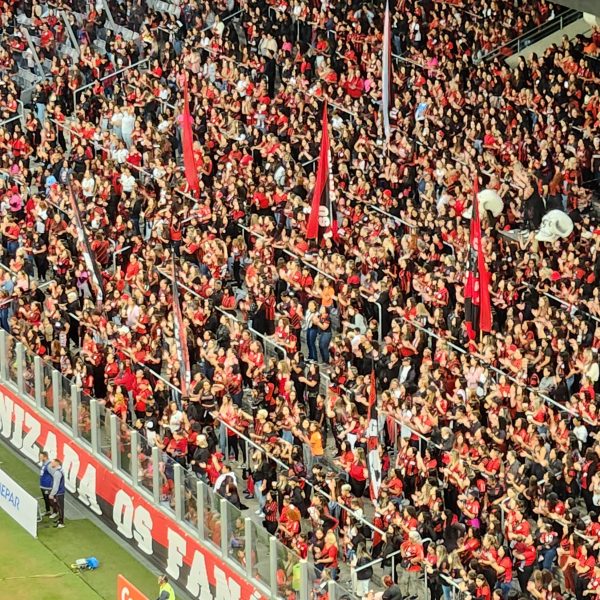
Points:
[[165, 589]]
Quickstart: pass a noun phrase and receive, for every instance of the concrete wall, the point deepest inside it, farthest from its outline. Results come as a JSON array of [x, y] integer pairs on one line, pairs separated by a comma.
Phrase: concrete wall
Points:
[[589, 6]]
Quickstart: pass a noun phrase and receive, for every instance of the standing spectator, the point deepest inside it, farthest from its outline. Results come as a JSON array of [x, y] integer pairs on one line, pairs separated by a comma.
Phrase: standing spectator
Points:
[[363, 573], [323, 322], [311, 329], [412, 555]]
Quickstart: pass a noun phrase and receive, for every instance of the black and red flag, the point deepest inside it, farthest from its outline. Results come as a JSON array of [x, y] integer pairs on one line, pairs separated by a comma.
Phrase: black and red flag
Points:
[[179, 333], [373, 458], [88, 254], [478, 308], [322, 222]]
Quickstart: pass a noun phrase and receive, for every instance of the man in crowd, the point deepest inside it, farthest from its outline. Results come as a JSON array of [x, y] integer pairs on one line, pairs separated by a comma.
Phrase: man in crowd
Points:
[[57, 493]]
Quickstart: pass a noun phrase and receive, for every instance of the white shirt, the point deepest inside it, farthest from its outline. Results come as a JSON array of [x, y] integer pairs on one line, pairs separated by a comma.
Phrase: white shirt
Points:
[[356, 340], [581, 433], [40, 223], [158, 172], [127, 123], [403, 375], [592, 372], [416, 31], [116, 119], [218, 28], [121, 155], [175, 420], [128, 182], [151, 437], [221, 478], [88, 186]]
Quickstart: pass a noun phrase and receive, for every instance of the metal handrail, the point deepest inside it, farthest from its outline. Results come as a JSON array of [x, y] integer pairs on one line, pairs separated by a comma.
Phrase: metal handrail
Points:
[[376, 561], [288, 468], [430, 333], [565, 18], [19, 115], [564, 303], [402, 423], [265, 339], [105, 78]]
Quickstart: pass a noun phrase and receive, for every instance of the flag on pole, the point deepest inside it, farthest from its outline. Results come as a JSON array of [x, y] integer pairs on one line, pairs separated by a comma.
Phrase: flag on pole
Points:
[[373, 441], [86, 250], [181, 345], [386, 73], [322, 222], [187, 140], [478, 308]]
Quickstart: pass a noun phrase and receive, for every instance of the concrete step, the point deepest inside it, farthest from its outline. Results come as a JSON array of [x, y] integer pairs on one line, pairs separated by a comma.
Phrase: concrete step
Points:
[[100, 46], [576, 28], [28, 76]]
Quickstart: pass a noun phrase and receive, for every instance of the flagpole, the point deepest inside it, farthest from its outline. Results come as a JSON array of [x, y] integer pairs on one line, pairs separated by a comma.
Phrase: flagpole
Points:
[[386, 77]]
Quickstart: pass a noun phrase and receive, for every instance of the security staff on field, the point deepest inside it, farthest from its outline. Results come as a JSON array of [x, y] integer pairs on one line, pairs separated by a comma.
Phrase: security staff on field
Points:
[[165, 589], [46, 481], [57, 493]]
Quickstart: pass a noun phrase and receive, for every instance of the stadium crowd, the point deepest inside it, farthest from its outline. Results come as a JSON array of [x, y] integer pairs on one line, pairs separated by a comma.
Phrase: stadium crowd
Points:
[[488, 446]]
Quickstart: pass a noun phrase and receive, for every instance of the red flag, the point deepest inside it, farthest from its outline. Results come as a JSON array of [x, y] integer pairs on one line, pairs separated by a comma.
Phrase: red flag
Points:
[[187, 138], [322, 221], [478, 307]]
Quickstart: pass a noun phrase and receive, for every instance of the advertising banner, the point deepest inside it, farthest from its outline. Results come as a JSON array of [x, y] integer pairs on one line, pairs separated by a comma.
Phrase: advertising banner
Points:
[[128, 591], [18, 504], [145, 526]]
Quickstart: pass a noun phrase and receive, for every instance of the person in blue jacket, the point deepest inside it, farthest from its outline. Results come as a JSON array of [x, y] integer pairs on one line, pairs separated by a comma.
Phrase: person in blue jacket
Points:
[[46, 481]]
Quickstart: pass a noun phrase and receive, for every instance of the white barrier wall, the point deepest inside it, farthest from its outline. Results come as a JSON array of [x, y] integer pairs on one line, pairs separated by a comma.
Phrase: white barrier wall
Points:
[[18, 504]]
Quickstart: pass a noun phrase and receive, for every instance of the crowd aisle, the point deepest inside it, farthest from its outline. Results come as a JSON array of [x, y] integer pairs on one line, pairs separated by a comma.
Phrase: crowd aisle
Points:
[[488, 445]]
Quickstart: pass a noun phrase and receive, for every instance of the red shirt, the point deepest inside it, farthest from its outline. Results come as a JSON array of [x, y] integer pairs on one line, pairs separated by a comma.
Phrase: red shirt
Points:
[[357, 472], [332, 552], [589, 563], [178, 447], [395, 486], [507, 576], [411, 550], [473, 507], [132, 270], [521, 528], [529, 553]]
